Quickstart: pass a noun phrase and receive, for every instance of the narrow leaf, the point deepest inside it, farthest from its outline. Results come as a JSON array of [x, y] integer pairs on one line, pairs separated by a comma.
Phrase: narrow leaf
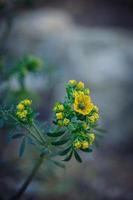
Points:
[[18, 135], [101, 130], [87, 150], [77, 157], [69, 156], [59, 164], [60, 142], [56, 134], [22, 147], [65, 151]]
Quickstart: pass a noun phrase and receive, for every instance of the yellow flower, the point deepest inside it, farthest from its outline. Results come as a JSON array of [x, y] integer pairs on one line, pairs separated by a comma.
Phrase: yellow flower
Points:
[[22, 114], [80, 85], [84, 125], [58, 107], [82, 103], [72, 82], [91, 138], [92, 119], [96, 115], [87, 91], [20, 106], [59, 115], [66, 122], [27, 102], [60, 123], [85, 145], [77, 144], [61, 107]]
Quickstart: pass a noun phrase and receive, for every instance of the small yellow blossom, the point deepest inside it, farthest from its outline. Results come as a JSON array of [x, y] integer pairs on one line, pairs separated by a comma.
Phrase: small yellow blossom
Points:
[[59, 115], [75, 93], [22, 114], [91, 138], [72, 82], [60, 123], [66, 122], [82, 103], [87, 91], [85, 125], [77, 144], [27, 102], [58, 107], [92, 119], [61, 107], [20, 106], [80, 85], [85, 145], [96, 115]]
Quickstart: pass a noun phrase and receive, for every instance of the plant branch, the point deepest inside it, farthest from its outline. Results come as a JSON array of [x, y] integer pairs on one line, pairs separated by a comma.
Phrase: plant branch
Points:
[[28, 180]]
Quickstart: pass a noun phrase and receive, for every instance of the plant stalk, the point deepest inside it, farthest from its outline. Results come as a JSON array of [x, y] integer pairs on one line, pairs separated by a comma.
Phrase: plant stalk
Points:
[[28, 180]]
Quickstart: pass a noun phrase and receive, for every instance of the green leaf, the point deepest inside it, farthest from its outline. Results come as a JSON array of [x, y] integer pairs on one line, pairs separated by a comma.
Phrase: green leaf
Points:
[[18, 135], [56, 134], [9, 136], [77, 157], [60, 142], [22, 147], [65, 151], [69, 156], [86, 150], [59, 164]]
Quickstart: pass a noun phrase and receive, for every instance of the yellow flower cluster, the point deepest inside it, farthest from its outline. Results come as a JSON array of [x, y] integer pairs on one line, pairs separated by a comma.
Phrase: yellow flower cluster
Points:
[[78, 115], [82, 101], [23, 109], [85, 144]]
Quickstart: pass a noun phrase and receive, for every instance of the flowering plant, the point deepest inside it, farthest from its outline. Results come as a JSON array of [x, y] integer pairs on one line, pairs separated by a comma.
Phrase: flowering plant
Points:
[[74, 127]]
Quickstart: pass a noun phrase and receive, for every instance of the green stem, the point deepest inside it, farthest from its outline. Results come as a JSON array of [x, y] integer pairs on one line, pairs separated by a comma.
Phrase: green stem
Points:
[[28, 129], [39, 133], [28, 180]]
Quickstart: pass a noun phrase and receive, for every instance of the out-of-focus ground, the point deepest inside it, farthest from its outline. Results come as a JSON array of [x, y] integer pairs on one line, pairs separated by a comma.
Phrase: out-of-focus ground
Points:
[[90, 41]]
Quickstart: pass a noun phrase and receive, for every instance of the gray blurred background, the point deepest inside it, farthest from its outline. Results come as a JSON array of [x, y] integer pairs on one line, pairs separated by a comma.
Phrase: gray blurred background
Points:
[[88, 40]]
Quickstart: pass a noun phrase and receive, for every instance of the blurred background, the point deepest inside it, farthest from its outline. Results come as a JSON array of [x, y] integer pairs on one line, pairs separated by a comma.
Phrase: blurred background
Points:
[[88, 40]]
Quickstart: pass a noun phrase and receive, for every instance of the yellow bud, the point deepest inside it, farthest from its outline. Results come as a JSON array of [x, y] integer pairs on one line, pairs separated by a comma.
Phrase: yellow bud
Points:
[[75, 93], [80, 85], [84, 125], [96, 116], [20, 106], [60, 107], [92, 119], [72, 82], [59, 115], [27, 102], [60, 123], [85, 145], [77, 144], [96, 108], [87, 91], [24, 114], [66, 122]]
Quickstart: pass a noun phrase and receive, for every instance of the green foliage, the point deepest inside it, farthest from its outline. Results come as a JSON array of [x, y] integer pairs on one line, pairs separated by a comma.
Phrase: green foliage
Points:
[[66, 139]]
